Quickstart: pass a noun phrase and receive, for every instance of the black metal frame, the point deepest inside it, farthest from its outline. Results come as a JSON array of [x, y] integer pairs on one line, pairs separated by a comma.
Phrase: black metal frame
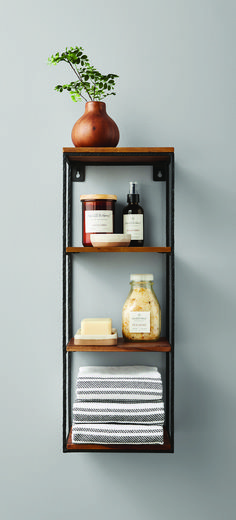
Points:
[[163, 171]]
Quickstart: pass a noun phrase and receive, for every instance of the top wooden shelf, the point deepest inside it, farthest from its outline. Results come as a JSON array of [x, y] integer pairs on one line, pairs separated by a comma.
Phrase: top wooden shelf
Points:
[[119, 155], [109, 150]]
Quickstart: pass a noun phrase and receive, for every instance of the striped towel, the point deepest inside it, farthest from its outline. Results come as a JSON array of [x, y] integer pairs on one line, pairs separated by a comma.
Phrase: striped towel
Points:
[[147, 412], [132, 383], [90, 433]]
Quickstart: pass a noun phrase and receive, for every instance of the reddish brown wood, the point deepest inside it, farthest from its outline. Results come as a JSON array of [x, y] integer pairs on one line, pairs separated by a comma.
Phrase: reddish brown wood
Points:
[[121, 447], [119, 150], [118, 249], [95, 127], [161, 345], [116, 155]]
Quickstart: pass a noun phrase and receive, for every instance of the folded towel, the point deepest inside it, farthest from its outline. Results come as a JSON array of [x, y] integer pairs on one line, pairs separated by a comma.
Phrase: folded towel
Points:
[[118, 389], [127, 412], [134, 383], [122, 371], [88, 433]]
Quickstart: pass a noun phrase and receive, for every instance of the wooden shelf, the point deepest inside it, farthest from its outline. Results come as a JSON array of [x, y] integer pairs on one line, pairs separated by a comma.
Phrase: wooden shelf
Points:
[[118, 150], [118, 155], [118, 249], [166, 447], [161, 345]]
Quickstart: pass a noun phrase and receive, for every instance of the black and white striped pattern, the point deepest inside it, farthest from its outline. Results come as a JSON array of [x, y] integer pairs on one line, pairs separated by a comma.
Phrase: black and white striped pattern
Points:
[[119, 388], [118, 405], [126, 412], [88, 433]]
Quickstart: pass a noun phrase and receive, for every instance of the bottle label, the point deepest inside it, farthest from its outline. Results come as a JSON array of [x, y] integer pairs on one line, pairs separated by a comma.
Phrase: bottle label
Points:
[[133, 225], [139, 322], [97, 221]]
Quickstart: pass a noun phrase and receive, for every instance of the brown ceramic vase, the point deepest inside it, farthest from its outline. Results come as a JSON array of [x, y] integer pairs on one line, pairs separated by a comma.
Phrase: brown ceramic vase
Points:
[[95, 127]]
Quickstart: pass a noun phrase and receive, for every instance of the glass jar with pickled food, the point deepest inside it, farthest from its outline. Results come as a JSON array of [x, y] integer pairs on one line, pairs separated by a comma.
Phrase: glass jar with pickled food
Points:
[[141, 314]]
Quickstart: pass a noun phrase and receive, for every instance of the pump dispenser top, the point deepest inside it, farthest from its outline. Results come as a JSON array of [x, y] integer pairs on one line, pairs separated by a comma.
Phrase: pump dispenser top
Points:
[[132, 196]]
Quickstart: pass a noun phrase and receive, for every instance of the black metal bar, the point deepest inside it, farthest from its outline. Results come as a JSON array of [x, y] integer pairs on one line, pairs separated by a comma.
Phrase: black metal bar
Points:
[[167, 396], [64, 304], [167, 201], [70, 294], [172, 261], [69, 244], [167, 256], [160, 169]]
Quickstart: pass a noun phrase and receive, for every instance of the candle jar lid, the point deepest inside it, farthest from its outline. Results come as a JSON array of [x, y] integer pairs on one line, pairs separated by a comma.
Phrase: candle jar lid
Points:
[[97, 196]]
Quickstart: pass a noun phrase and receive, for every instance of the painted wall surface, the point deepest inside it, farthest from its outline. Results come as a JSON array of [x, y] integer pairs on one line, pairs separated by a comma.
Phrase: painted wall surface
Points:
[[176, 62]]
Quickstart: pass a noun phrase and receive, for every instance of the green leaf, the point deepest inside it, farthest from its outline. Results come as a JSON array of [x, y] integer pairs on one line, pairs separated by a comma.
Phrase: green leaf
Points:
[[94, 83]]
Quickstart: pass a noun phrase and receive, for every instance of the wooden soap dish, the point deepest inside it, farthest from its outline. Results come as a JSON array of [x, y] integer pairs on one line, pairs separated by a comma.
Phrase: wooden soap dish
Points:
[[110, 339]]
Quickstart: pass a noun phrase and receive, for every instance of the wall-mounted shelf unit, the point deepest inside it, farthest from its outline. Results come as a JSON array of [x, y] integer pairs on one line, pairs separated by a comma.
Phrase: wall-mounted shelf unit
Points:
[[75, 161]]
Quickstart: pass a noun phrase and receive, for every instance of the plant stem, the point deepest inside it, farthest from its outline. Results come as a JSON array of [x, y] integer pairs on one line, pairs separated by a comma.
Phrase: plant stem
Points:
[[81, 81]]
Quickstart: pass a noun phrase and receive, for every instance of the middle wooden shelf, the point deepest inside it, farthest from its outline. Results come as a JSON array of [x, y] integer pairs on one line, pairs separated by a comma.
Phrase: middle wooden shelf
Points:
[[161, 345]]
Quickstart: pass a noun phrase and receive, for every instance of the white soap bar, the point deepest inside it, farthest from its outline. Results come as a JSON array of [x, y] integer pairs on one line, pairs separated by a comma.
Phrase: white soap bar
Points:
[[96, 326]]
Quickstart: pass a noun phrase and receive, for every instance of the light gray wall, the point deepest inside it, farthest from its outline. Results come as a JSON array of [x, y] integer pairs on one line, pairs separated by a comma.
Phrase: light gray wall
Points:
[[176, 61]]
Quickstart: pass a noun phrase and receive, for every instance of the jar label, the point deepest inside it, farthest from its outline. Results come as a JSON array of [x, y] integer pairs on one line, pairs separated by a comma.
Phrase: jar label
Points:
[[139, 322], [133, 225], [97, 221]]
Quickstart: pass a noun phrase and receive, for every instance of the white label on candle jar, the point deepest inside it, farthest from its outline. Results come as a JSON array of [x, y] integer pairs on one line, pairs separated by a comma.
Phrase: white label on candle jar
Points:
[[139, 322], [133, 225], [99, 221]]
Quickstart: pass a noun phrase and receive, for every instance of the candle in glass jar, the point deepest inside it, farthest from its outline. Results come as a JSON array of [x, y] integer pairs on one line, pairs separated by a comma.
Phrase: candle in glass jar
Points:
[[98, 215]]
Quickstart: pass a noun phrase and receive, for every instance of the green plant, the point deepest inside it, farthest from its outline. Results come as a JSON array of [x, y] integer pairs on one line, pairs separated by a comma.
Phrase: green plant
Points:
[[90, 84]]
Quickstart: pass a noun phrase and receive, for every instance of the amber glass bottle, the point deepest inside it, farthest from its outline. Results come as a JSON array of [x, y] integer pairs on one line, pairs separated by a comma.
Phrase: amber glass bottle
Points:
[[133, 216]]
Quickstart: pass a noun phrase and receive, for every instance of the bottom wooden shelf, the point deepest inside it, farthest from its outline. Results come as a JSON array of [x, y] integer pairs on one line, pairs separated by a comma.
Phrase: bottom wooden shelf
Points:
[[166, 447]]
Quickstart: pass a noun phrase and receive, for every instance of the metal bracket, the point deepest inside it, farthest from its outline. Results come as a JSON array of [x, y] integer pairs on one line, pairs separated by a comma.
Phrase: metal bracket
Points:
[[78, 172], [160, 171]]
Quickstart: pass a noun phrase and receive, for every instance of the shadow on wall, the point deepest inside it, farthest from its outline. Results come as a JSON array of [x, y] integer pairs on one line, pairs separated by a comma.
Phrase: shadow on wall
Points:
[[205, 211], [204, 315]]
